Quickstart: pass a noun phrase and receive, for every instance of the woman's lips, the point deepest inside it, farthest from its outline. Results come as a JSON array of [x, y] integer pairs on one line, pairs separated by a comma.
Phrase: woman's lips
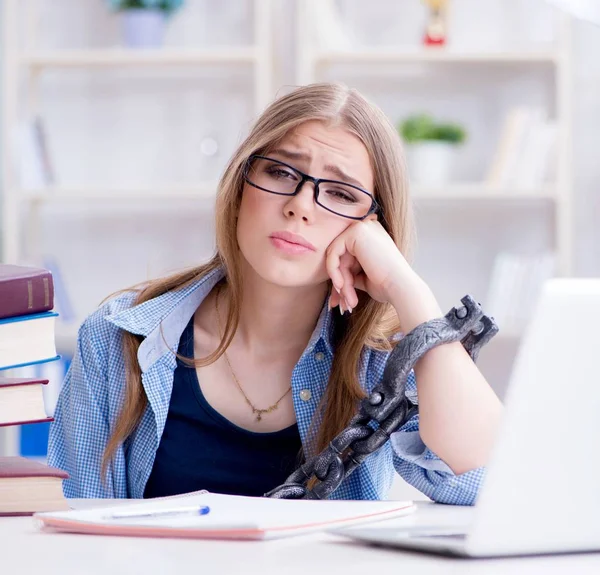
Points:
[[289, 247]]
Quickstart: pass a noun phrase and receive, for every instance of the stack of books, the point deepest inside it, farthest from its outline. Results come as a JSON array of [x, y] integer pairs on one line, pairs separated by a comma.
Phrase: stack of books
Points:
[[26, 338]]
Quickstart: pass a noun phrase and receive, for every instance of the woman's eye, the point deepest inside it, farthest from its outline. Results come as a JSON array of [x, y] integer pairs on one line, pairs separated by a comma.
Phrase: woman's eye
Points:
[[341, 195], [280, 173]]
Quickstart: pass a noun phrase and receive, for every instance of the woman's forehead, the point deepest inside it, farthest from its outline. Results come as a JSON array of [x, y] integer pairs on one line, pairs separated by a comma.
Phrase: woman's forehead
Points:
[[317, 144]]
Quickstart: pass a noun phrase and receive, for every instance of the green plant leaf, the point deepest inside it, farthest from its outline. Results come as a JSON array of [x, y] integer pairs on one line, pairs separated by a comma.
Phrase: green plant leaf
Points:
[[422, 127]]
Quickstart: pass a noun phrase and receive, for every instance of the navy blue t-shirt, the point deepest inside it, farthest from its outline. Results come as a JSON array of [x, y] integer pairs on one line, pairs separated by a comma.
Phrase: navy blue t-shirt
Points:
[[201, 449]]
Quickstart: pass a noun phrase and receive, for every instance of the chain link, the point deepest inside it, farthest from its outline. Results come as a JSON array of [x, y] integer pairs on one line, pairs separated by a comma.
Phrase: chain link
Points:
[[387, 408]]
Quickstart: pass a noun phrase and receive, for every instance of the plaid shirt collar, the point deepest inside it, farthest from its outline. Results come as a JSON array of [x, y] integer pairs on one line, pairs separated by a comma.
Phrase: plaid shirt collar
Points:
[[161, 320]]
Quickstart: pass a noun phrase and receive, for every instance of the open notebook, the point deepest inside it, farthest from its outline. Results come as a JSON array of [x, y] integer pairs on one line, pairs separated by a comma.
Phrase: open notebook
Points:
[[228, 517]]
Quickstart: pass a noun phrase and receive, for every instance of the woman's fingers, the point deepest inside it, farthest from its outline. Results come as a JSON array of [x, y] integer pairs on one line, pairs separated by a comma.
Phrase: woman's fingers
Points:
[[332, 263], [341, 266], [334, 298], [350, 298]]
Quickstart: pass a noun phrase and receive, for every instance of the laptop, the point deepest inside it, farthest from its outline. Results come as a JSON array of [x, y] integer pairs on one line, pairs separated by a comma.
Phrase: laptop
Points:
[[541, 492]]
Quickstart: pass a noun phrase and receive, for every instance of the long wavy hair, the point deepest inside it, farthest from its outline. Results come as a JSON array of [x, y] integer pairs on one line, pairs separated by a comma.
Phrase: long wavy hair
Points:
[[371, 324]]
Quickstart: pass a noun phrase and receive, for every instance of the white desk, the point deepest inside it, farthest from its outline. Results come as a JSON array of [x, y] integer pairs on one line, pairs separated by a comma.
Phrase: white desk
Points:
[[25, 549]]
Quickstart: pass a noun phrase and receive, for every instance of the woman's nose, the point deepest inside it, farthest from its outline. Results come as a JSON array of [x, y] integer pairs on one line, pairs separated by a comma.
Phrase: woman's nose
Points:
[[303, 203]]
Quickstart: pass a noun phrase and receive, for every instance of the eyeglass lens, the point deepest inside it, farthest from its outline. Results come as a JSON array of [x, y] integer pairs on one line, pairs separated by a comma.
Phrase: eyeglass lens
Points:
[[338, 197]]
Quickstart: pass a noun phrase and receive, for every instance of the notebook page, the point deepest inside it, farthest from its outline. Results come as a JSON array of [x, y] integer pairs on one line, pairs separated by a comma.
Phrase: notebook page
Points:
[[272, 517]]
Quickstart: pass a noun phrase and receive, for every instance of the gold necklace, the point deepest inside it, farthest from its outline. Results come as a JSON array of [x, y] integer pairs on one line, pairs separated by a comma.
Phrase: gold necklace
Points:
[[255, 410]]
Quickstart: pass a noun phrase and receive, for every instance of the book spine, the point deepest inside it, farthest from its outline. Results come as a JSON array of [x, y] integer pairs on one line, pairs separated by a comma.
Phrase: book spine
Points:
[[26, 295], [12, 423]]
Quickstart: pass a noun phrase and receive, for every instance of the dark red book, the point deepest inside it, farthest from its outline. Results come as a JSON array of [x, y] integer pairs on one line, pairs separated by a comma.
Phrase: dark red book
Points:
[[28, 486], [25, 290], [22, 401]]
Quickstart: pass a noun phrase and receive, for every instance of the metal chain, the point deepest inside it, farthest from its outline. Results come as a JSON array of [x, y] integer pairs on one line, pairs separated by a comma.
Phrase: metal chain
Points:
[[387, 408]]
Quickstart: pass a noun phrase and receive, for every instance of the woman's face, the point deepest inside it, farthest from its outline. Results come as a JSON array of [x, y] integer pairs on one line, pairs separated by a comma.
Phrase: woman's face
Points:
[[321, 151]]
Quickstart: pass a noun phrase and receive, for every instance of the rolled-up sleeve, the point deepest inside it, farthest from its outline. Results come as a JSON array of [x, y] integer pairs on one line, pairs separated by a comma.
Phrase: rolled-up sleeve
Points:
[[80, 430], [423, 469]]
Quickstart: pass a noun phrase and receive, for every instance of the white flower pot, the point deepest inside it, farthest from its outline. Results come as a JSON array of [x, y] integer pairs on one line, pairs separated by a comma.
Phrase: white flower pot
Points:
[[143, 28], [430, 163]]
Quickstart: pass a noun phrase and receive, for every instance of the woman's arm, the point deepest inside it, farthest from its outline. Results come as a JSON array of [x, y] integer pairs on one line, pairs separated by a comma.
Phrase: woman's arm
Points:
[[459, 412], [80, 428]]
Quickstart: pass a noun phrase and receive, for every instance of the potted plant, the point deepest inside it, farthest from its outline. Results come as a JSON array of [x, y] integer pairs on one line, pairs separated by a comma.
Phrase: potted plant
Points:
[[430, 148], [143, 21]]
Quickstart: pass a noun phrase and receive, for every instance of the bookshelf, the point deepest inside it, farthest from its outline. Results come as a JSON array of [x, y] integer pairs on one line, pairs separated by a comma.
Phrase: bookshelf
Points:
[[137, 57], [413, 56], [464, 225], [28, 61], [481, 192], [54, 194], [313, 62]]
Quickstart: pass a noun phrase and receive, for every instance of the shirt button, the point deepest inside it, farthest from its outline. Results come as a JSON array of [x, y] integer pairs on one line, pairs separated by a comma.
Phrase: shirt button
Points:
[[305, 395], [319, 356]]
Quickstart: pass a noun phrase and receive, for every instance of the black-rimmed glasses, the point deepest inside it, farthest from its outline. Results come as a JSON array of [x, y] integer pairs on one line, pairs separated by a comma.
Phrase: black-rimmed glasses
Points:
[[276, 177]]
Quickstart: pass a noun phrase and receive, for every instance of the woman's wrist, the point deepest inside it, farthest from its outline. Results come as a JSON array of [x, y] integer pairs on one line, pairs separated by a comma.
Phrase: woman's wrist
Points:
[[414, 302]]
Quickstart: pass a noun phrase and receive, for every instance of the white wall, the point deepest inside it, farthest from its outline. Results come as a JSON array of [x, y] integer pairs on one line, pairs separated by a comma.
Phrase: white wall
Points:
[[141, 128], [586, 146], [134, 128]]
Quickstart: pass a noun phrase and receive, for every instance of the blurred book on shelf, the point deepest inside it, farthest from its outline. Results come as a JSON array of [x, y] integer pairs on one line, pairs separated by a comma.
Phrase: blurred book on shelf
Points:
[[515, 285], [525, 151], [36, 163]]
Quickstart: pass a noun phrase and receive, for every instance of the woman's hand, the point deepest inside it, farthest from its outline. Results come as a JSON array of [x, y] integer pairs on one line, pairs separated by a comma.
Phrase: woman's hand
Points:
[[365, 257]]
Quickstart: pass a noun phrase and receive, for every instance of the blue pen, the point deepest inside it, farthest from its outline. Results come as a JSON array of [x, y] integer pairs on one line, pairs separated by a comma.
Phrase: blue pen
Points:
[[177, 511]]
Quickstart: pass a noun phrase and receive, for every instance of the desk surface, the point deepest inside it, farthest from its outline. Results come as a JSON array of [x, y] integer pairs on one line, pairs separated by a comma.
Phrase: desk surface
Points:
[[25, 549]]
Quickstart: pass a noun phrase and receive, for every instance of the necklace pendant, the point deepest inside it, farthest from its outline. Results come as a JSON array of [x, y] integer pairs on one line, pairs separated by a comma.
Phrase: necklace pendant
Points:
[[258, 416]]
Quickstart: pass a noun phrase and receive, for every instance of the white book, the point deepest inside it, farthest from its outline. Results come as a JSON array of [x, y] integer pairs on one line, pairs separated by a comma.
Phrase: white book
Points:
[[203, 515], [517, 125], [534, 162], [36, 167], [27, 339]]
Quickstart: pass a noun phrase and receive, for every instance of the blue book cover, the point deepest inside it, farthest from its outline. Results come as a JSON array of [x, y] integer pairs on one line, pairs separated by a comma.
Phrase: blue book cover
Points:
[[30, 317]]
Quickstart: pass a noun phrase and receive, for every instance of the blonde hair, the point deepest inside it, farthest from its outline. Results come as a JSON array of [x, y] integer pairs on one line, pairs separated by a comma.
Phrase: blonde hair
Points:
[[371, 323]]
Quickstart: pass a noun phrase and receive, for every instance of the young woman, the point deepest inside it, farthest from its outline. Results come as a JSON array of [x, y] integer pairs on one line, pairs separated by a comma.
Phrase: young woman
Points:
[[224, 376]]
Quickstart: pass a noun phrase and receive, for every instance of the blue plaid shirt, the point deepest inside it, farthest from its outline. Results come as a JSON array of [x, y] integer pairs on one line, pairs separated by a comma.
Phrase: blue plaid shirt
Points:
[[94, 389]]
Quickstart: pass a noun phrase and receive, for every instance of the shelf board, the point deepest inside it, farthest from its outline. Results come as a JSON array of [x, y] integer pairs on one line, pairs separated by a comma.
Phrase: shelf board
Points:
[[95, 194], [406, 55], [481, 191], [138, 57]]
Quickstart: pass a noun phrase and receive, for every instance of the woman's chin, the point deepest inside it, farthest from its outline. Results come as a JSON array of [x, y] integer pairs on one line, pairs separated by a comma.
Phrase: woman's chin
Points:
[[289, 274]]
